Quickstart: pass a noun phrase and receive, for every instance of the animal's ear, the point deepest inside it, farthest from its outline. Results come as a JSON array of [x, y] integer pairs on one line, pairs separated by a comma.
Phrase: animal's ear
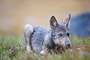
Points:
[[53, 22], [66, 20]]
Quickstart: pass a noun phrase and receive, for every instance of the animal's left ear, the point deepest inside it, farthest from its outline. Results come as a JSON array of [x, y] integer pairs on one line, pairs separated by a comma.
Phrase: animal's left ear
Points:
[[53, 23], [66, 20]]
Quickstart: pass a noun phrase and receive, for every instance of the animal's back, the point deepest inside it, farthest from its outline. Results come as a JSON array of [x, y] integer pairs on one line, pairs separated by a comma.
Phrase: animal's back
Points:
[[37, 37]]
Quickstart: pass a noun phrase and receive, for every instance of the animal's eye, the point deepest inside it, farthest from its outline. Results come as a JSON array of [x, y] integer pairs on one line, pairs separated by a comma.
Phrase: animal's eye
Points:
[[67, 34], [60, 34]]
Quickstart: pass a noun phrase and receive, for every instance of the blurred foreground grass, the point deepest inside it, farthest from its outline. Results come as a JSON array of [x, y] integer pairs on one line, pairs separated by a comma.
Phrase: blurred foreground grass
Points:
[[14, 41]]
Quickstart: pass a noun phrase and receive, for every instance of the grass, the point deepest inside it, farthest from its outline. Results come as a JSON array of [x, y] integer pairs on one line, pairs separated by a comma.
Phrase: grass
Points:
[[14, 41]]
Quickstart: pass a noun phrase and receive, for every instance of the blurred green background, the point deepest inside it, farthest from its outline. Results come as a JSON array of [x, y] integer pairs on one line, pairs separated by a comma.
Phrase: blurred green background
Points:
[[14, 14]]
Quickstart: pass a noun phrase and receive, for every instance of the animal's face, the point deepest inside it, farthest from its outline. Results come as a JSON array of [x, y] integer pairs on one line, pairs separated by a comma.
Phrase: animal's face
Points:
[[60, 32]]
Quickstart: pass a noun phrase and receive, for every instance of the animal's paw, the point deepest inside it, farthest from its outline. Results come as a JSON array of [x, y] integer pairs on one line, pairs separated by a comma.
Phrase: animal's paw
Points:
[[29, 50], [42, 52]]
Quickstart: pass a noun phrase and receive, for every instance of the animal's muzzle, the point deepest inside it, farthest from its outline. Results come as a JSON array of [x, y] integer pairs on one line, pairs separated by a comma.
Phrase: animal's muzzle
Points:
[[68, 44]]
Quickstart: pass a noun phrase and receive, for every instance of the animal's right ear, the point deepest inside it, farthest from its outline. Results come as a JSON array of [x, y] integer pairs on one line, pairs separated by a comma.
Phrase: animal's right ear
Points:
[[53, 22], [66, 20]]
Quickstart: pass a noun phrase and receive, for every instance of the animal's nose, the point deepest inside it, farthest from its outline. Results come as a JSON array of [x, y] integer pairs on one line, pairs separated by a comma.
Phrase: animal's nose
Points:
[[68, 44]]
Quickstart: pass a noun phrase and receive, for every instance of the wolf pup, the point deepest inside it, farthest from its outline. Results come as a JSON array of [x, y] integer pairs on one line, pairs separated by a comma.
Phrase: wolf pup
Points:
[[41, 39]]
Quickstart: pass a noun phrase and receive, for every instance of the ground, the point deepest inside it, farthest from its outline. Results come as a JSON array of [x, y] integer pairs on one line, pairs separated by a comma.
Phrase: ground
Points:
[[6, 42]]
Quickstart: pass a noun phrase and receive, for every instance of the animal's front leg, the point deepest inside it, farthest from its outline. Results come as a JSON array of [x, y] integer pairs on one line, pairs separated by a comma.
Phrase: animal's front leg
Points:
[[28, 30], [44, 50], [47, 42], [28, 46]]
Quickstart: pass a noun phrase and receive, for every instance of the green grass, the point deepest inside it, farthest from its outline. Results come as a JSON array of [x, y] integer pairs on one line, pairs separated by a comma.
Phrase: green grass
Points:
[[14, 41]]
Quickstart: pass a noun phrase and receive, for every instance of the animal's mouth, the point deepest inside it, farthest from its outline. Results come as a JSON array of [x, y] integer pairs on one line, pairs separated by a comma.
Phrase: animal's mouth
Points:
[[59, 48], [59, 45], [67, 47]]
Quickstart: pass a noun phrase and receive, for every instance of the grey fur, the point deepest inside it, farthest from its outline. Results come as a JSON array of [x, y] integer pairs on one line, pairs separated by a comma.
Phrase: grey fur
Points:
[[42, 39]]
